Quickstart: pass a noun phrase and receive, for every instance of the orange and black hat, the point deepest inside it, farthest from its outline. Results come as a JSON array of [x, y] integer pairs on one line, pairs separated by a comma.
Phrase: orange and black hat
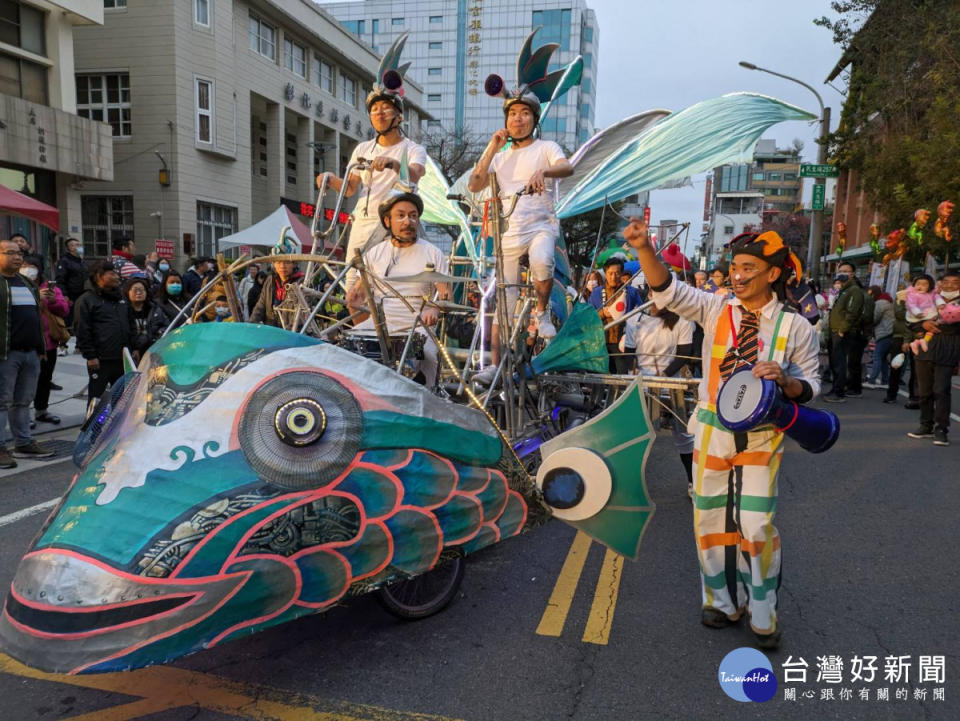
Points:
[[769, 246]]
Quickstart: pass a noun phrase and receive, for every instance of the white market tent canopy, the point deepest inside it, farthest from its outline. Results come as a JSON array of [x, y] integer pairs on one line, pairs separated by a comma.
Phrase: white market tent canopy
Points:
[[266, 233]]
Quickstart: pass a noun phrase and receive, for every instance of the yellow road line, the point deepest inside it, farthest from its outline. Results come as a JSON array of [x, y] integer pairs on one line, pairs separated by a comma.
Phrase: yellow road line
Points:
[[163, 687], [128, 711], [555, 614], [604, 600]]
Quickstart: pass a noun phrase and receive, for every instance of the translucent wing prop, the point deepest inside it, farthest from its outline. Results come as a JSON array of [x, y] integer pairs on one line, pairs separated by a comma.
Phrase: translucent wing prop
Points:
[[433, 189], [391, 58], [703, 136]]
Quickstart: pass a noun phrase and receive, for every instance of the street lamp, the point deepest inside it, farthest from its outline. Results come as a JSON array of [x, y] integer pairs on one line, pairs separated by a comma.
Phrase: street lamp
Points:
[[815, 250]]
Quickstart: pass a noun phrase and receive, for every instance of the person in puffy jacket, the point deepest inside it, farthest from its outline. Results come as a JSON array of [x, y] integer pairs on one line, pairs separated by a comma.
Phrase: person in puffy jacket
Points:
[[883, 318], [103, 329], [52, 303]]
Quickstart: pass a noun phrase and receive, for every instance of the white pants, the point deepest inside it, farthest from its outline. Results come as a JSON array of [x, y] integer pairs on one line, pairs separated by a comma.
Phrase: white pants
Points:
[[539, 248]]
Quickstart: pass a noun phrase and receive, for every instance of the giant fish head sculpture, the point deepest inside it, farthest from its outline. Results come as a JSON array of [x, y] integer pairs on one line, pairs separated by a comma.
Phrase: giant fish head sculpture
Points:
[[245, 476]]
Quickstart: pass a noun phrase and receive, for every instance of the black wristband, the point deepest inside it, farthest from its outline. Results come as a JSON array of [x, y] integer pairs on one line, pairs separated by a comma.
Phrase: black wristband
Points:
[[663, 286], [806, 394]]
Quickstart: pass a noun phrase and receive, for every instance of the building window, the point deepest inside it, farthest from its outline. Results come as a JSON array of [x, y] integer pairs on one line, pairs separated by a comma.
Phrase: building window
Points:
[[376, 27], [435, 46], [323, 74], [585, 111], [23, 79], [109, 4], [105, 218], [434, 71], [348, 90], [295, 58], [263, 38], [434, 98], [396, 21], [106, 98], [587, 60], [213, 223], [433, 124], [201, 12], [587, 34], [357, 27], [204, 111], [22, 27], [728, 230], [555, 27], [434, 19]]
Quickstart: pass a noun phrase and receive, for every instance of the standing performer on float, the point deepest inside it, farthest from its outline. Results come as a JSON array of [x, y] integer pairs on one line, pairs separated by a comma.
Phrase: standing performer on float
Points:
[[735, 477], [533, 226], [385, 153]]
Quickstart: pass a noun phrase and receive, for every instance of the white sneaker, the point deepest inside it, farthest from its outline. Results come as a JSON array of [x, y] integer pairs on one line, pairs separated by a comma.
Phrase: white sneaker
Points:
[[485, 377], [545, 327]]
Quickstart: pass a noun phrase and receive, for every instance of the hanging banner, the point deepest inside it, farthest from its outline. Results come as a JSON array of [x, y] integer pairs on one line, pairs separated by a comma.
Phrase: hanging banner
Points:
[[897, 272], [878, 272]]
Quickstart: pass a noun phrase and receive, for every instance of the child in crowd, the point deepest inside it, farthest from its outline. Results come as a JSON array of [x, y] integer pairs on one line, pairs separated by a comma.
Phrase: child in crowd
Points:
[[922, 304]]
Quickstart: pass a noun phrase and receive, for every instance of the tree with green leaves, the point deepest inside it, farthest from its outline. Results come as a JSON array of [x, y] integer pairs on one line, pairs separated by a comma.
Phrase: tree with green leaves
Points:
[[900, 124]]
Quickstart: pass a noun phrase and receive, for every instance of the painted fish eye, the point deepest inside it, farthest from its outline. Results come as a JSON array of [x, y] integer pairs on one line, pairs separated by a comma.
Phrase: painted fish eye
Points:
[[300, 422], [575, 483], [300, 429]]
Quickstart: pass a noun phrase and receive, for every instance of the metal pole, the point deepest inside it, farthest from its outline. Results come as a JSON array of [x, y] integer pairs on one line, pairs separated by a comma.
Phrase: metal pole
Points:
[[815, 246], [496, 213]]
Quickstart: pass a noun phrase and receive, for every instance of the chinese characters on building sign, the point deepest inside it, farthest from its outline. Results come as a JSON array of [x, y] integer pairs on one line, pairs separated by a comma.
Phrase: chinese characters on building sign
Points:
[[835, 678], [474, 26]]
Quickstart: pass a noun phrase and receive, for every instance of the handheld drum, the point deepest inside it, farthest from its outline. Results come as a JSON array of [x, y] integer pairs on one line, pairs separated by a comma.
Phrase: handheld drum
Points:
[[745, 402]]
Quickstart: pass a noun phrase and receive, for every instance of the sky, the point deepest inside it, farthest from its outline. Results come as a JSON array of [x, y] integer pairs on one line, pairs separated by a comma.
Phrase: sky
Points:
[[678, 52]]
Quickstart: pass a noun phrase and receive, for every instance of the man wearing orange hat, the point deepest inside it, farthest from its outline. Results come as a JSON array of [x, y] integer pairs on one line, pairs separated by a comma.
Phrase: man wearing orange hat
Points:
[[735, 476]]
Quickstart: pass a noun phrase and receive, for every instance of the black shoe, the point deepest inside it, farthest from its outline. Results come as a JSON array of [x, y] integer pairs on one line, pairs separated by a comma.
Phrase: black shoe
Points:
[[834, 398], [33, 424], [769, 641], [940, 437], [31, 450], [854, 394], [46, 417], [912, 405], [6, 460], [715, 618], [889, 400], [921, 432], [55, 387]]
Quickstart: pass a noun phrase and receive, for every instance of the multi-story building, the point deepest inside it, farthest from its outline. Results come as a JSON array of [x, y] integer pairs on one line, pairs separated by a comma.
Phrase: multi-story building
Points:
[[455, 44], [221, 110], [776, 173], [46, 149], [733, 212]]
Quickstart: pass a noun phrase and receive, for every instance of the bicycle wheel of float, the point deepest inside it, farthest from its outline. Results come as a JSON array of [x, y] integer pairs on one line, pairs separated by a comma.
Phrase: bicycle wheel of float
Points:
[[426, 594]]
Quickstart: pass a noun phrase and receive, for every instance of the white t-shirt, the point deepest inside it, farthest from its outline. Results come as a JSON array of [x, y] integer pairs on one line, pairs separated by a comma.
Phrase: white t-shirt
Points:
[[655, 343], [514, 168], [385, 260], [380, 183]]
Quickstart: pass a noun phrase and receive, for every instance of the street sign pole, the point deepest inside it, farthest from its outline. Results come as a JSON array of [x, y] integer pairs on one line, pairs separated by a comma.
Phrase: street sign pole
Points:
[[815, 252]]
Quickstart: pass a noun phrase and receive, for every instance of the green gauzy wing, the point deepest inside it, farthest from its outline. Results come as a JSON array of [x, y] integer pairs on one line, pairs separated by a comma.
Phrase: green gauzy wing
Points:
[[622, 437]]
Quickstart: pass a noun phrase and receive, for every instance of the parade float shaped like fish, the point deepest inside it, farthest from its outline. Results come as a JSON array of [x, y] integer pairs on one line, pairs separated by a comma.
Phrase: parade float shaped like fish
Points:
[[245, 476]]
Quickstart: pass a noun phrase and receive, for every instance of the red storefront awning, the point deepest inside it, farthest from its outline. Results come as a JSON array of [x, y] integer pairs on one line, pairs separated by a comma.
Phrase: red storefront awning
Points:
[[14, 203]]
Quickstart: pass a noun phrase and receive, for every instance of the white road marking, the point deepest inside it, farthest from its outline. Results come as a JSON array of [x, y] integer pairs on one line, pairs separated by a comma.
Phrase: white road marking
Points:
[[26, 512]]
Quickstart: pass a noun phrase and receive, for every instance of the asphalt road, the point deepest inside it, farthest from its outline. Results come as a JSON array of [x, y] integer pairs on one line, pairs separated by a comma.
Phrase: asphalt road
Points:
[[870, 568]]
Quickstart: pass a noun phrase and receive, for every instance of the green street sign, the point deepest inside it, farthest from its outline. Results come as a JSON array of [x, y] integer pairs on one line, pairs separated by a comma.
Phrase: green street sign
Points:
[[819, 171], [818, 193]]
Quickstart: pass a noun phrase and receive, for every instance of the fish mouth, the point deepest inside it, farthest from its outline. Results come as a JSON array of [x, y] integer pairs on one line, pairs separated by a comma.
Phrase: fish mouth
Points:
[[67, 612]]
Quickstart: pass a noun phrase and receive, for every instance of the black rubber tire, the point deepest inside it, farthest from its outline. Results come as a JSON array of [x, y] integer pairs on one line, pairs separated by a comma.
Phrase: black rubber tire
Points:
[[426, 594]]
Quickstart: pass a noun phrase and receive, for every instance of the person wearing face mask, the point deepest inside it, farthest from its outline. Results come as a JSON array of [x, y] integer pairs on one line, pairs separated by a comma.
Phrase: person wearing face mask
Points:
[[221, 310], [53, 310], [845, 321], [934, 365], [103, 326], [167, 303]]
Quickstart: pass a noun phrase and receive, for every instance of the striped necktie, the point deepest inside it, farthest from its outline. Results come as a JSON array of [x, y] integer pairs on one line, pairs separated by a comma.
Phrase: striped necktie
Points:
[[745, 350]]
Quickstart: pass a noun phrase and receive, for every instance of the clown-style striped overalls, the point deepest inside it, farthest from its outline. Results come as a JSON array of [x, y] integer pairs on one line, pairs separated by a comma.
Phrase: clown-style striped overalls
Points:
[[735, 495]]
